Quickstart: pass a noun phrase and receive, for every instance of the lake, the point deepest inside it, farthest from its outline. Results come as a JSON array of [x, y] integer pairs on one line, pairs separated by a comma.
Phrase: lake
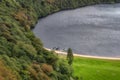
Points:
[[92, 30]]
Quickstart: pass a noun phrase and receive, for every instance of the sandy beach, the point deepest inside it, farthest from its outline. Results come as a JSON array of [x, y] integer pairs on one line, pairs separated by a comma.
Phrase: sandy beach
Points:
[[87, 56]]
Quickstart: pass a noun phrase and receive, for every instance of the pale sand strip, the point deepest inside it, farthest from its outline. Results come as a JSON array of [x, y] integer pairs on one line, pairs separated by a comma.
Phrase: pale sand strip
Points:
[[87, 56]]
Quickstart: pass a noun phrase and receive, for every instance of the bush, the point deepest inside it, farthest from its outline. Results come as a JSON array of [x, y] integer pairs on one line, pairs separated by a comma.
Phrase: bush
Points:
[[50, 57], [5, 73], [47, 68], [40, 59]]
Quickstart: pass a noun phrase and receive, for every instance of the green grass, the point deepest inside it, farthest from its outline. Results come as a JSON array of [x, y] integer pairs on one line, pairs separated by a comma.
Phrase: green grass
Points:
[[96, 69]]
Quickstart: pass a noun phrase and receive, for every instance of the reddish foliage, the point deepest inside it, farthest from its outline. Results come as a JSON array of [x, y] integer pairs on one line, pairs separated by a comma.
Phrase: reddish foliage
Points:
[[6, 73], [47, 68]]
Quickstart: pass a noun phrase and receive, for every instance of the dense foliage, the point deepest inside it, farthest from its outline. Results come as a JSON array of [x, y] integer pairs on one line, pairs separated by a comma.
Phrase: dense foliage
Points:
[[22, 56]]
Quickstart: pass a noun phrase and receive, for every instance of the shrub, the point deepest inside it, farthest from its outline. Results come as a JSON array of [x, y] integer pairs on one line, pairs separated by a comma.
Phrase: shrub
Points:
[[43, 76], [50, 57], [47, 68], [6, 73], [36, 67], [33, 74], [40, 59], [65, 69], [9, 37]]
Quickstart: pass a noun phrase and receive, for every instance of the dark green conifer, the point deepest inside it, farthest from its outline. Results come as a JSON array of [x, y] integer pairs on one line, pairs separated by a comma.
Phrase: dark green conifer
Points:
[[69, 56]]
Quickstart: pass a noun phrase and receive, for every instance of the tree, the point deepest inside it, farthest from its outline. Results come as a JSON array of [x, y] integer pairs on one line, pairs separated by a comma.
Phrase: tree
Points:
[[69, 56]]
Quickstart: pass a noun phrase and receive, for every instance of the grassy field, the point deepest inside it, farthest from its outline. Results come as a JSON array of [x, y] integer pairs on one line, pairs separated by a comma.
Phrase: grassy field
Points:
[[96, 69]]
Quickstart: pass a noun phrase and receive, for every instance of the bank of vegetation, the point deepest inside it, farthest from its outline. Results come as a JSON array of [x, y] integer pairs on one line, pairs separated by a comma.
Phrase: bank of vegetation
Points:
[[22, 56]]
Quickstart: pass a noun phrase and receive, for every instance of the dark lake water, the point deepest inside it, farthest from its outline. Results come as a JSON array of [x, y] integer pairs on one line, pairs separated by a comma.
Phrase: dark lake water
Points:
[[92, 30]]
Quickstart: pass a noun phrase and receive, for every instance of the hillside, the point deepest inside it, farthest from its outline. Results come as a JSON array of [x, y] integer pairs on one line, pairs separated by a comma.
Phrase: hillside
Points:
[[22, 56]]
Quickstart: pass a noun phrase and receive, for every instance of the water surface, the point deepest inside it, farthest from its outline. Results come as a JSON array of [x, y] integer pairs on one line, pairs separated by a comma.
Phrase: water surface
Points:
[[92, 30]]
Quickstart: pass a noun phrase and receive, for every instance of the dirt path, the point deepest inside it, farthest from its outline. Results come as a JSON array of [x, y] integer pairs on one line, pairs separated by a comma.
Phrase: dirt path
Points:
[[87, 56]]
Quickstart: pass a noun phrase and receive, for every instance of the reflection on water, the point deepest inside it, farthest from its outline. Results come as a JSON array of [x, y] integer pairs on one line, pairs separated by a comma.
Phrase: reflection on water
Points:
[[92, 30]]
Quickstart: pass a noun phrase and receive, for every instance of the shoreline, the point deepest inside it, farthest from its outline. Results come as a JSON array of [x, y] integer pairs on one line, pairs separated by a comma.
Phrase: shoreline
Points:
[[85, 56]]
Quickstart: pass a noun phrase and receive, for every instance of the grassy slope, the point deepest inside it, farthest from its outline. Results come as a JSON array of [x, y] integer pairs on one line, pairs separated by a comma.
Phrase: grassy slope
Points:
[[96, 69]]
